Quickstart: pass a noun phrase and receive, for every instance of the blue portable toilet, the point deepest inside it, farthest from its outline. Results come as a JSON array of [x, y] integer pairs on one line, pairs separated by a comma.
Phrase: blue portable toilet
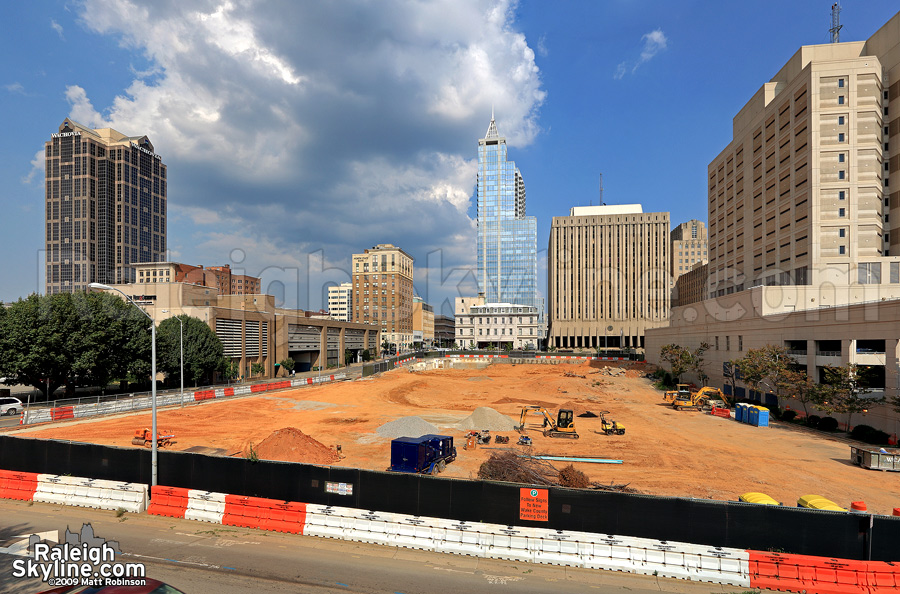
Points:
[[753, 416], [740, 412], [763, 417]]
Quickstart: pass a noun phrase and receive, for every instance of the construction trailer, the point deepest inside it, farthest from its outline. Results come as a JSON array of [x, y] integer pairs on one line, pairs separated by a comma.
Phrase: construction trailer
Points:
[[428, 454]]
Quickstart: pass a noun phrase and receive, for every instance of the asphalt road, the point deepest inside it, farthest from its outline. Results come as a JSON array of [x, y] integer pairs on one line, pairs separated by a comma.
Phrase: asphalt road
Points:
[[201, 558]]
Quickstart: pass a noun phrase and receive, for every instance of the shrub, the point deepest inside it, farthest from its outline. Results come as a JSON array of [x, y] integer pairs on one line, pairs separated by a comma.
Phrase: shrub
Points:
[[878, 437], [813, 420], [862, 433], [788, 416], [828, 424]]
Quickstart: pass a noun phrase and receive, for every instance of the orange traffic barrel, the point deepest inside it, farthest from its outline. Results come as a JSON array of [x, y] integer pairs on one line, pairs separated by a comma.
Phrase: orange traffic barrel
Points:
[[897, 511], [858, 506]]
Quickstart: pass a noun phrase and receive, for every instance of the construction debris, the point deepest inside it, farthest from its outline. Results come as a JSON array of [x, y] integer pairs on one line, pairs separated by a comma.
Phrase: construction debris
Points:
[[572, 478], [611, 487], [570, 374], [508, 466], [611, 371]]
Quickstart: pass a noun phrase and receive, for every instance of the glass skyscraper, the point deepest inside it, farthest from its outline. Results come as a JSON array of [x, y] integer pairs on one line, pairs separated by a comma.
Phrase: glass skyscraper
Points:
[[507, 239]]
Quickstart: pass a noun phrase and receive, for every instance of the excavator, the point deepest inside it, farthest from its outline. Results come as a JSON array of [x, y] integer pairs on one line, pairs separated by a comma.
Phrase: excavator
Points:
[[700, 399], [562, 426], [681, 390]]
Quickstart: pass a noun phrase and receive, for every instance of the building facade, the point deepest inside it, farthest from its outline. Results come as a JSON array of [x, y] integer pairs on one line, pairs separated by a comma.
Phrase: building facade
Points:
[[444, 331], [105, 206], [802, 194], [691, 286], [502, 326], [423, 322], [215, 277], [339, 299], [506, 238], [383, 292], [689, 247], [608, 276]]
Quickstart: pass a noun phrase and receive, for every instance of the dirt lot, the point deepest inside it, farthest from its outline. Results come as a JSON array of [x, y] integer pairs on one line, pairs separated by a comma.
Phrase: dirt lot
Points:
[[664, 452]]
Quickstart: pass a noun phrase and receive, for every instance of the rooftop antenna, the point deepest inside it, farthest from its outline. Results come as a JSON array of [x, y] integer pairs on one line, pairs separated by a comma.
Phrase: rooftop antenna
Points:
[[836, 25], [602, 203]]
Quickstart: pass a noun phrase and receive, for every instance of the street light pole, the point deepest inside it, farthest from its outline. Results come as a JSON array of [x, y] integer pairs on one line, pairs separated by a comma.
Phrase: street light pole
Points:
[[153, 448]]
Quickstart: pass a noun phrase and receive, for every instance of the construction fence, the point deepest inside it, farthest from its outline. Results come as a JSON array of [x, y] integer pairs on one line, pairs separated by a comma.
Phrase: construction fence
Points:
[[711, 523]]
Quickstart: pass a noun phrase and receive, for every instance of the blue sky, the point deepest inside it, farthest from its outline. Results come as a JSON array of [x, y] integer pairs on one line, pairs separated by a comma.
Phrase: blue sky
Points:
[[298, 133]]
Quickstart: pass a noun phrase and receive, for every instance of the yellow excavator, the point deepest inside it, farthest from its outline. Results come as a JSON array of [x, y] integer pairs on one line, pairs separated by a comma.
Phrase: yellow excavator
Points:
[[562, 426], [681, 390], [700, 399]]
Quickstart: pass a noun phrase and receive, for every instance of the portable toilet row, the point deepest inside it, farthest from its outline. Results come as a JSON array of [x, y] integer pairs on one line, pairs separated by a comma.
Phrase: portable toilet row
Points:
[[758, 416]]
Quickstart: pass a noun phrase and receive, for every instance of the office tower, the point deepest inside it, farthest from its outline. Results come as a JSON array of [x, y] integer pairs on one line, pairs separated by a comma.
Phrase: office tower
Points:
[[339, 299], [383, 292], [608, 276], [507, 239], [105, 206], [802, 194], [689, 247]]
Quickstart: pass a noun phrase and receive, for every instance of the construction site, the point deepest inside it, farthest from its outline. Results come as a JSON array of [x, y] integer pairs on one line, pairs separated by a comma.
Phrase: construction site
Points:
[[657, 451]]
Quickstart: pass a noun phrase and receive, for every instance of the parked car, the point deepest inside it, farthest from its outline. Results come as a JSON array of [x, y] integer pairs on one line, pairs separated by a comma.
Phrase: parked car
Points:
[[10, 406]]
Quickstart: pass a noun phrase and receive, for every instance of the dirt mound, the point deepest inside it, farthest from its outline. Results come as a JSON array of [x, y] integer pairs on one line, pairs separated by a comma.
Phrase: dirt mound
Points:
[[579, 408], [486, 417], [292, 445], [507, 400], [407, 427]]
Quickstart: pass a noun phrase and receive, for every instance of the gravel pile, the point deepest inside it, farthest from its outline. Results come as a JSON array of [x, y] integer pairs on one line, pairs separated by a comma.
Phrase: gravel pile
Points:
[[407, 427], [486, 417]]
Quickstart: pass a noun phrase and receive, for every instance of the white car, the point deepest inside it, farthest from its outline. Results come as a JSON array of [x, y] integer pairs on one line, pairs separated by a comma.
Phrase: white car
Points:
[[10, 406]]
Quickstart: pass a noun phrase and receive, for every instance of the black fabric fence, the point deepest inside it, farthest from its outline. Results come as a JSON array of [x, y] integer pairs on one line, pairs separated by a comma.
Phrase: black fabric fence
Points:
[[712, 523]]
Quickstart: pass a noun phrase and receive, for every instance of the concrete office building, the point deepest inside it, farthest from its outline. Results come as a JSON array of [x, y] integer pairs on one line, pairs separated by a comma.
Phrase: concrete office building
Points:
[[608, 276], [253, 330], [801, 251], [444, 331], [689, 247], [216, 277], [506, 238], [496, 325], [105, 206], [423, 322], [691, 286], [383, 292], [339, 299]]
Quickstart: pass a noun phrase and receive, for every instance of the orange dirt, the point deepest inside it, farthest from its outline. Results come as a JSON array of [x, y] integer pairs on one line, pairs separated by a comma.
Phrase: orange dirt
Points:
[[664, 452], [292, 445]]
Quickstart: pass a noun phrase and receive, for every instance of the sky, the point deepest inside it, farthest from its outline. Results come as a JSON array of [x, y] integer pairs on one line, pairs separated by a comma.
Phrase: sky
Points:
[[297, 133]]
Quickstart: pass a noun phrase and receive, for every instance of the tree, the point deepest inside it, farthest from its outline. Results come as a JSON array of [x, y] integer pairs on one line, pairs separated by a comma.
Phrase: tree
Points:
[[767, 363], [678, 358], [287, 364], [348, 356], [732, 373], [231, 370], [697, 362], [257, 368], [366, 355], [844, 392], [203, 351], [800, 387], [71, 339]]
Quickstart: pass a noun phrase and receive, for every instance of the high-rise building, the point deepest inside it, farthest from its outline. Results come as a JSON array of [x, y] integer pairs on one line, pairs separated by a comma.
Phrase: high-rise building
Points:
[[608, 276], [689, 247], [383, 292], [105, 206], [507, 239], [339, 299], [802, 196]]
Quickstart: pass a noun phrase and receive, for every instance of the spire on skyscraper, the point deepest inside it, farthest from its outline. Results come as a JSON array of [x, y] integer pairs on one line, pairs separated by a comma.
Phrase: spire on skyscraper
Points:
[[492, 128]]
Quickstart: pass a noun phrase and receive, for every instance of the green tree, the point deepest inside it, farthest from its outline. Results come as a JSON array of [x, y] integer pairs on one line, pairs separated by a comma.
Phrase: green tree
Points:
[[348, 356], [257, 369], [731, 372], [767, 363], [366, 355], [203, 351], [678, 358], [844, 392], [288, 365], [799, 386], [231, 370]]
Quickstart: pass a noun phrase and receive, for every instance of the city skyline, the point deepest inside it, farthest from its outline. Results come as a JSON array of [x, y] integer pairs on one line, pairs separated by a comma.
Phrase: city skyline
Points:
[[289, 157]]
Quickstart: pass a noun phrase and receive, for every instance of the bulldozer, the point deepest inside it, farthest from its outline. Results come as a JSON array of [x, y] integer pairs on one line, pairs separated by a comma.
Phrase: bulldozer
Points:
[[681, 390], [144, 437], [610, 427], [562, 426], [699, 400]]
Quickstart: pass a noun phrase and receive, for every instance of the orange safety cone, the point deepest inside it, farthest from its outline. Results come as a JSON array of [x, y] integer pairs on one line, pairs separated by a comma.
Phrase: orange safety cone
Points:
[[858, 506], [897, 511]]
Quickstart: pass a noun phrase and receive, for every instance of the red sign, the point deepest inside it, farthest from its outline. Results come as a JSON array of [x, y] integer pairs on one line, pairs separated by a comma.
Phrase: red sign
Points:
[[534, 504]]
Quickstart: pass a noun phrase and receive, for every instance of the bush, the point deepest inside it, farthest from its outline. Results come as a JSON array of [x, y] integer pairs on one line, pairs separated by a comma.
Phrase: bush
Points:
[[879, 437], [867, 434], [813, 421], [828, 424], [788, 416]]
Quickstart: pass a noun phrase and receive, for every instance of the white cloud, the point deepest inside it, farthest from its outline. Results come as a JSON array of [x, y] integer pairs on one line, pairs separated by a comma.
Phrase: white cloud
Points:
[[654, 42], [37, 168], [299, 128], [15, 87], [58, 28]]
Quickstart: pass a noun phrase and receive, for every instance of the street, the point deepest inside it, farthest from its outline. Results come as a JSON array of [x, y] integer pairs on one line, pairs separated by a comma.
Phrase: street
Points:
[[201, 558]]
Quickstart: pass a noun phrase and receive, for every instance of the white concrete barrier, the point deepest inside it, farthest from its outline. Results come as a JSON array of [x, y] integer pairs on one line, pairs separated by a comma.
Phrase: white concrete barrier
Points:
[[96, 493], [205, 506]]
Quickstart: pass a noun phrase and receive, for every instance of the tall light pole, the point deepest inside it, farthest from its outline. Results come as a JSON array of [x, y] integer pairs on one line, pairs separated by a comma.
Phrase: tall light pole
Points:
[[153, 448], [181, 341]]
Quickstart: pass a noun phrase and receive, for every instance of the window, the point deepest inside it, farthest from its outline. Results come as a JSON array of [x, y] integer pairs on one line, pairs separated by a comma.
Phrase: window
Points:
[[841, 137], [887, 166], [842, 250], [841, 195], [841, 82], [840, 120], [840, 99], [740, 343], [841, 158], [727, 343], [841, 174], [717, 343], [842, 232], [841, 212], [895, 272], [869, 273]]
